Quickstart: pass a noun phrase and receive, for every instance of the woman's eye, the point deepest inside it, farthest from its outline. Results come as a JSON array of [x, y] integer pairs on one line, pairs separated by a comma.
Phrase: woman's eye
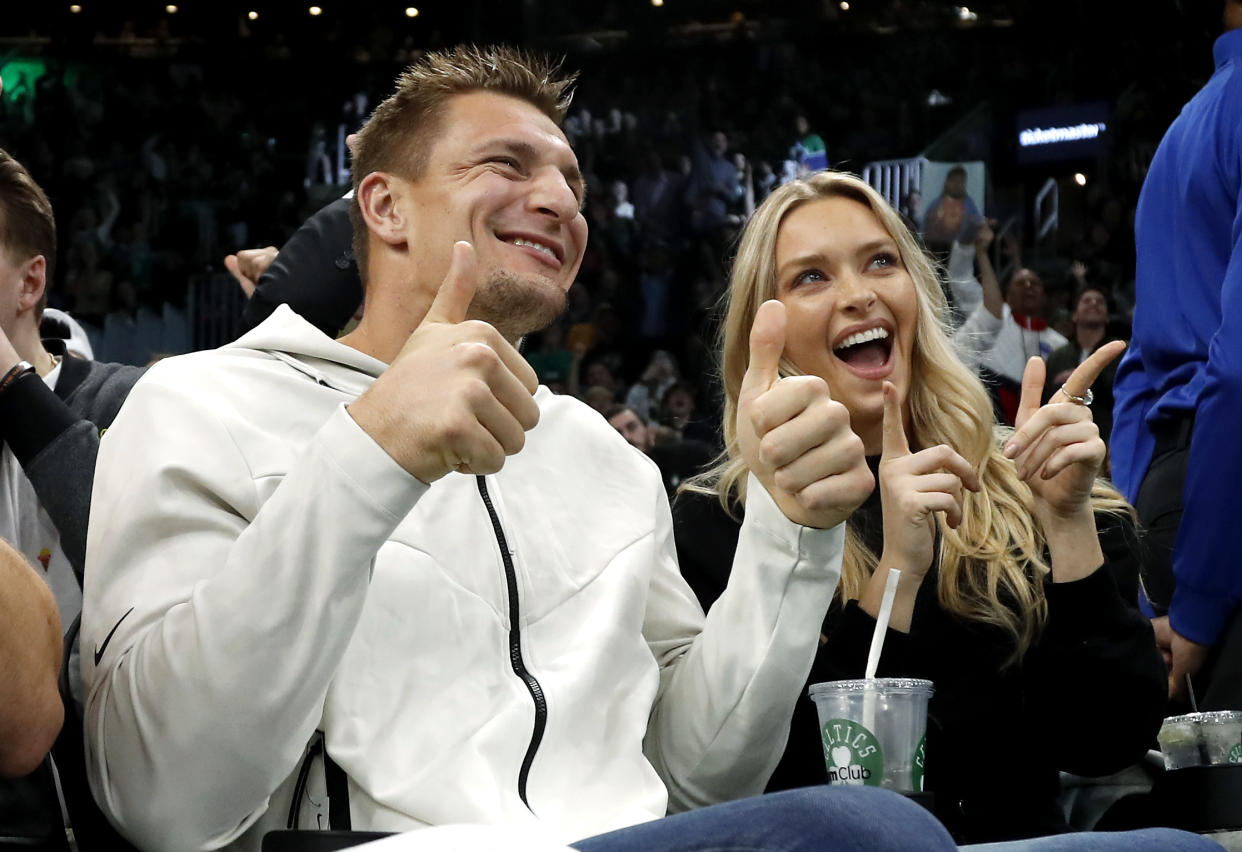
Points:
[[883, 260], [811, 275]]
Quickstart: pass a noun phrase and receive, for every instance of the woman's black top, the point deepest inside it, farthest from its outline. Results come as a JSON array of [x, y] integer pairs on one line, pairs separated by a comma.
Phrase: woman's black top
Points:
[[1087, 698]]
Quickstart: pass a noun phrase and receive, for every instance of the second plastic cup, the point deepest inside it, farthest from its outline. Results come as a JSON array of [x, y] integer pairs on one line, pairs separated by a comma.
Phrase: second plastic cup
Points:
[[873, 731]]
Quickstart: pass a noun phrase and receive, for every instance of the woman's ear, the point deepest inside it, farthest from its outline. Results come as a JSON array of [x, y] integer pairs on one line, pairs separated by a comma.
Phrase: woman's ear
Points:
[[378, 196]]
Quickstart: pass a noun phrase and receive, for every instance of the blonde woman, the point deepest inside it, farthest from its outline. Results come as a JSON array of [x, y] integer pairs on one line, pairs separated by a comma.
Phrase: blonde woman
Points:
[[1018, 565]]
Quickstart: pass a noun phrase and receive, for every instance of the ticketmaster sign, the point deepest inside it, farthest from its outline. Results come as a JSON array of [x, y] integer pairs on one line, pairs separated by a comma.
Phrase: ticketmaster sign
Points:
[[1061, 133]]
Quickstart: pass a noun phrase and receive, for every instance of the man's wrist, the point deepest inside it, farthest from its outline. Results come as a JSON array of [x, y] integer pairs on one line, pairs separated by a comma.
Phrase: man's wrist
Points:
[[15, 372]]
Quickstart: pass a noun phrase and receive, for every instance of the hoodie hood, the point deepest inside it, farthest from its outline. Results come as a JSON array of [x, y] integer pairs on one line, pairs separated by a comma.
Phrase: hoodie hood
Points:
[[287, 337]]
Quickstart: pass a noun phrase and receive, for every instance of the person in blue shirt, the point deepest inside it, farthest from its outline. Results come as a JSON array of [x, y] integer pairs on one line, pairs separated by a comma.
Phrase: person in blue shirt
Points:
[[1179, 388]]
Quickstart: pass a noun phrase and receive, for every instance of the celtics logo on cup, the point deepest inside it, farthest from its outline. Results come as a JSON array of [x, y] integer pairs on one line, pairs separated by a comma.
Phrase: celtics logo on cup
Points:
[[852, 753]]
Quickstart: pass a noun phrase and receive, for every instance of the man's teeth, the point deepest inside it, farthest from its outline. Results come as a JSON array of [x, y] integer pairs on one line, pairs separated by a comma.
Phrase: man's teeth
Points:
[[862, 337], [539, 246]]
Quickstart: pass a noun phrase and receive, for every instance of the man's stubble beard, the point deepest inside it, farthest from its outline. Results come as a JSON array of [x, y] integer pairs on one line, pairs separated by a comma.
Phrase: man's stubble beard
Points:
[[517, 305]]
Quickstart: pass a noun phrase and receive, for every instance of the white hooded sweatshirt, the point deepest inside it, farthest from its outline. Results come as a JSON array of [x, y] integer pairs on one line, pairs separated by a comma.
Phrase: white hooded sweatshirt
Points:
[[259, 569]]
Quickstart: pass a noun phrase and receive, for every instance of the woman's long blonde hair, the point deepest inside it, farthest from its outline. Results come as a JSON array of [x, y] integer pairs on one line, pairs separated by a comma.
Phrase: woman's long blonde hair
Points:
[[991, 567]]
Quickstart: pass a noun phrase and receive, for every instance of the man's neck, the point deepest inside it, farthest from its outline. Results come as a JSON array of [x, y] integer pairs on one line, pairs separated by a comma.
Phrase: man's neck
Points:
[[30, 348]]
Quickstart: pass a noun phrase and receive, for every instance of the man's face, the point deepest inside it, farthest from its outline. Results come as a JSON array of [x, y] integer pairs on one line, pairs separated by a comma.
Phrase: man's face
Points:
[[955, 185], [720, 143], [12, 278], [501, 175], [1092, 309], [1026, 294], [633, 429]]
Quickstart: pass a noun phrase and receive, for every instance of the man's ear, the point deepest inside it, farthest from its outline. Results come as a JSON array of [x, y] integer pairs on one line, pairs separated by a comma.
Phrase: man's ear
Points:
[[379, 194], [34, 283]]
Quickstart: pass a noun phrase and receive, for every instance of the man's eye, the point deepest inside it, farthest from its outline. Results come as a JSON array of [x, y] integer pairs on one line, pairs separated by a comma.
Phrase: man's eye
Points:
[[509, 162]]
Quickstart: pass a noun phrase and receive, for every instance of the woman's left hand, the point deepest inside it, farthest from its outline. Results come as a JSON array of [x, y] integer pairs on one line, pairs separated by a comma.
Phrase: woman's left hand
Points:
[[1057, 447]]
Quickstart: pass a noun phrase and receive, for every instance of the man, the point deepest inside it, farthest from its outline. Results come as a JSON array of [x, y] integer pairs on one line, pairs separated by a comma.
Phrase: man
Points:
[[395, 551], [52, 406], [1179, 387], [953, 216], [678, 458], [1023, 332], [1090, 318]]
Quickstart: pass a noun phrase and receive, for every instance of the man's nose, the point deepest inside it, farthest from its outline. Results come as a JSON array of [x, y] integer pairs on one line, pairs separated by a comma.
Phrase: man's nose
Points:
[[552, 195]]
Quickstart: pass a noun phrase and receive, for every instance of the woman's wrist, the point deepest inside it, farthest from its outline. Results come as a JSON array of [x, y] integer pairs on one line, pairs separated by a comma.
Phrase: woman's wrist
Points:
[[1073, 545]]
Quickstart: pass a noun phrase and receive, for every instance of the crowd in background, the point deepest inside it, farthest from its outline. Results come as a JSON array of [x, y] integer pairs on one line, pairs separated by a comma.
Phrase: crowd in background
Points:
[[158, 169]]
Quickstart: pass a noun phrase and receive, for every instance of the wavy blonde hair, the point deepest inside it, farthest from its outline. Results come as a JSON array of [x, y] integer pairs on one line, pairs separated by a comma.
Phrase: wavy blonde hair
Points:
[[992, 566]]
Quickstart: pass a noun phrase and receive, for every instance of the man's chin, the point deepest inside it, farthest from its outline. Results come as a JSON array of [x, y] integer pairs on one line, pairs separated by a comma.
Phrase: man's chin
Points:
[[518, 305]]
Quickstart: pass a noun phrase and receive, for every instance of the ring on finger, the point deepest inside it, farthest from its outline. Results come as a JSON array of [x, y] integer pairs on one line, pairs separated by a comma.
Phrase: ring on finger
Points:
[[1086, 399]]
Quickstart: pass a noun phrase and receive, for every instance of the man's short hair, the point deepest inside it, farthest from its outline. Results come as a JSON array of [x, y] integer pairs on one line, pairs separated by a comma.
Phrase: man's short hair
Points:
[[619, 408], [398, 135], [27, 227]]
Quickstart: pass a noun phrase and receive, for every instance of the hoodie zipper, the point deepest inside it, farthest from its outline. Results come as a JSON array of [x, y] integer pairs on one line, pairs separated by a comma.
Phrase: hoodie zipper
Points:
[[515, 648]]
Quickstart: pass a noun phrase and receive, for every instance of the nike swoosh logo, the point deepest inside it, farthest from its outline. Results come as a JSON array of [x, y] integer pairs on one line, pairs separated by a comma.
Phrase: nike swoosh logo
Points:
[[99, 651]]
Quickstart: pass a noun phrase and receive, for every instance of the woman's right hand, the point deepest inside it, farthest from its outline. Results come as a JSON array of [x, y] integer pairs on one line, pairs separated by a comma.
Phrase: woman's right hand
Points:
[[912, 487]]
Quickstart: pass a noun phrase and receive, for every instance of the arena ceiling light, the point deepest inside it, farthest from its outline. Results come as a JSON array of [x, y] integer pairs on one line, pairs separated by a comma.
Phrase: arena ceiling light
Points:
[[845, 6], [170, 9], [657, 2], [315, 11], [252, 15], [75, 8]]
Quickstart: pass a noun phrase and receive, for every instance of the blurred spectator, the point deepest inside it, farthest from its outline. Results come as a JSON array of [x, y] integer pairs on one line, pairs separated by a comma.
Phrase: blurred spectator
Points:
[[1090, 332], [809, 150], [953, 216], [679, 412], [678, 459], [1024, 333], [644, 396]]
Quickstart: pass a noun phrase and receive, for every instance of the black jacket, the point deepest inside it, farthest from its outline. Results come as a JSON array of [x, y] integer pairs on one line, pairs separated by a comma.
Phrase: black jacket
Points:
[[1088, 698]]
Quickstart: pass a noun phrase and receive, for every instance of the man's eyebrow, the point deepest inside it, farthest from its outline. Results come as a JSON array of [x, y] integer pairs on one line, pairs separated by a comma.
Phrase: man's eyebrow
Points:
[[526, 151]]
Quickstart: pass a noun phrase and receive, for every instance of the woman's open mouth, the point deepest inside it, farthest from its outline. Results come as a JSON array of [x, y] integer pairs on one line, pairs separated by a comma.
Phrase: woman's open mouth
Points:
[[867, 354]]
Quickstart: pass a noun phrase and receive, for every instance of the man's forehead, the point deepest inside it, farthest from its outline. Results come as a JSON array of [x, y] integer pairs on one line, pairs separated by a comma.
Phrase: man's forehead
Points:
[[487, 116]]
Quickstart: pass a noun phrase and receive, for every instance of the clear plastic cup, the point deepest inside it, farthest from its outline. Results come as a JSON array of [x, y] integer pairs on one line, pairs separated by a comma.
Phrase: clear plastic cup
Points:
[[1201, 739], [873, 731]]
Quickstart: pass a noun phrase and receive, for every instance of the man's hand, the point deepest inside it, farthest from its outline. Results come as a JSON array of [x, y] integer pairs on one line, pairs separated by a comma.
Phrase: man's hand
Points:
[[247, 266], [1182, 656], [913, 486], [458, 396], [794, 437]]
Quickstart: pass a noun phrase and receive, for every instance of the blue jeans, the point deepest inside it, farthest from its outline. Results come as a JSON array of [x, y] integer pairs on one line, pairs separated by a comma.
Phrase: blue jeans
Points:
[[1143, 840], [849, 819], [845, 819]]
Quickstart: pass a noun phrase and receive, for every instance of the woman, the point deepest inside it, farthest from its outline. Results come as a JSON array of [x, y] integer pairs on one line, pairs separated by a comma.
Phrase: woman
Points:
[[1018, 572]]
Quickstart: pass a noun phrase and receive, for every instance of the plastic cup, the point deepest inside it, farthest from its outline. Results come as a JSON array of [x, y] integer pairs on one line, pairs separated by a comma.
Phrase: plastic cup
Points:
[[1201, 739], [873, 731]]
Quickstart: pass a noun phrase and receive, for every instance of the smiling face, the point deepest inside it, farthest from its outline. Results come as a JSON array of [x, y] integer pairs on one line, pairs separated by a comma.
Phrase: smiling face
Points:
[[851, 306], [1092, 309], [501, 175]]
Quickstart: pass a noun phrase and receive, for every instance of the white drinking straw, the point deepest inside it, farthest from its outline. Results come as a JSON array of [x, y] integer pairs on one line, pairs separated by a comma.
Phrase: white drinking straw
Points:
[[881, 622]]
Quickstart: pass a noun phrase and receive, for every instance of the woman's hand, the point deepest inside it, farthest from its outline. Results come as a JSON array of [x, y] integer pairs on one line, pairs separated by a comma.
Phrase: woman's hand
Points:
[[1057, 447], [913, 486], [794, 437]]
